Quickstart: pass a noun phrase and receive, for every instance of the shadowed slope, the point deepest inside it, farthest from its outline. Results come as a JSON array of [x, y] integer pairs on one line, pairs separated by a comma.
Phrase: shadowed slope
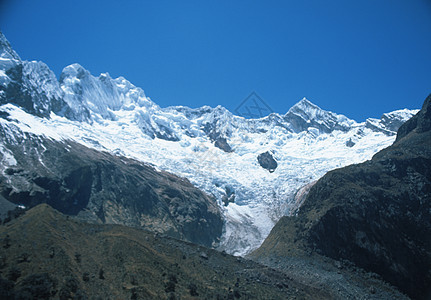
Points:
[[101, 187], [45, 254]]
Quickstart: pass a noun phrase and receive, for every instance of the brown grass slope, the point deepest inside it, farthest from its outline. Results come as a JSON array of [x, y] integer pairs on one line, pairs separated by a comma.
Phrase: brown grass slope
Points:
[[47, 255]]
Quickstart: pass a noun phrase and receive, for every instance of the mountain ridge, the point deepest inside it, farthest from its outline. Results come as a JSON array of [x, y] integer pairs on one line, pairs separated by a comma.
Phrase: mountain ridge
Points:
[[77, 71]]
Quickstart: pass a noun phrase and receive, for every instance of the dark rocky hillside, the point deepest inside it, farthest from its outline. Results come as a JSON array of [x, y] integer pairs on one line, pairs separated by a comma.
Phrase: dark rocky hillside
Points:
[[101, 187], [47, 255], [376, 215]]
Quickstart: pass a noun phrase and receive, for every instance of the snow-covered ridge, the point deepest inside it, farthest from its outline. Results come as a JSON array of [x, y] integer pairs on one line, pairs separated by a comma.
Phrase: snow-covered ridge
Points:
[[305, 114], [216, 150]]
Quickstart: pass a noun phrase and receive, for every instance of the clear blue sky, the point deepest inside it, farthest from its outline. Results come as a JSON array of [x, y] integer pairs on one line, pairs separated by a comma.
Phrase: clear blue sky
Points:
[[358, 58]]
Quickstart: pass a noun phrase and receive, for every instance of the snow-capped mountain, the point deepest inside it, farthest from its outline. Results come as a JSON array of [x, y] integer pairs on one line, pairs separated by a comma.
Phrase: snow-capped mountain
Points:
[[216, 150]]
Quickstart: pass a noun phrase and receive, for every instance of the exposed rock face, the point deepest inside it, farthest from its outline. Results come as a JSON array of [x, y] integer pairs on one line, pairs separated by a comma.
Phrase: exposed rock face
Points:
[[376, 214], [267, 161], [222, 144], [99, 186], [350, 143], [5, 207], [218, 129], [300, 197], [229, 197], [420, 123]]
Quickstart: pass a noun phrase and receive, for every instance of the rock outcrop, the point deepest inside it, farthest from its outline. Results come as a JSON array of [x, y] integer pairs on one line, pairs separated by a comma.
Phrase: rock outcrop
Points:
[[267, 161]]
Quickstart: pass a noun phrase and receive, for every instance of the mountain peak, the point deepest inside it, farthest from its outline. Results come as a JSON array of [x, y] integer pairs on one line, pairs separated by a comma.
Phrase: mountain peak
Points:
[[305, 106], [305, 101], [6, 51], [74, 70], [307, 110], [305, 114]]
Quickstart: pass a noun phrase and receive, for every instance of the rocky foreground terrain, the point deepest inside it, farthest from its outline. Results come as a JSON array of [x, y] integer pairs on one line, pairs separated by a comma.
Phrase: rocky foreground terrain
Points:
[[376, 215], [91, 208], [47, 255]]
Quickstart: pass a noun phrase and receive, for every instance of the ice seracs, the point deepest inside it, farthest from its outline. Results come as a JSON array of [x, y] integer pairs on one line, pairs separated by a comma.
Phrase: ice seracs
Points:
[[99, 97]]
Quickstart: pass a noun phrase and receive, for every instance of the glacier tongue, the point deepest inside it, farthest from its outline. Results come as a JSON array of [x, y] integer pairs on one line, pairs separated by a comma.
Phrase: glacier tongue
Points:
[[216, 150]]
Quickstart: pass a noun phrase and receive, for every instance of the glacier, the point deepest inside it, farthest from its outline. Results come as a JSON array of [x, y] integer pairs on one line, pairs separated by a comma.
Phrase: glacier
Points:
[[211, 147]]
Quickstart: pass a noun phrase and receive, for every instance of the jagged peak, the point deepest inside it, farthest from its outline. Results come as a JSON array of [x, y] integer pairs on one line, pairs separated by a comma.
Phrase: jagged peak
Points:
[[38, 66], [6, 50], [305, 114], [272, 116], [305, 101], [405, 112], [74, 70], [305, 105], [105, 75], [206, 109], [307, 110], [121, 82], [74, 66], [190, 113], [222, 110]]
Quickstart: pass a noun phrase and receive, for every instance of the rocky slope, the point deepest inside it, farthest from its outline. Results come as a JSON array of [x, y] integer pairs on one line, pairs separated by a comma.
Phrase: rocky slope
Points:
[[215, 150], [100, 187], [46, 255], [376, 214]]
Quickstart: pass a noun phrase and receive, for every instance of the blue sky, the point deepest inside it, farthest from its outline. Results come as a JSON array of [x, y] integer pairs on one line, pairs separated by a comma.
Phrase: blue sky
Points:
[[358, 58]]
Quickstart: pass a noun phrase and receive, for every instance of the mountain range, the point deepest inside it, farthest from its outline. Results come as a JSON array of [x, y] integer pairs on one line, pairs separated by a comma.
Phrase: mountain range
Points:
[[326, 207], [214, 149]]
